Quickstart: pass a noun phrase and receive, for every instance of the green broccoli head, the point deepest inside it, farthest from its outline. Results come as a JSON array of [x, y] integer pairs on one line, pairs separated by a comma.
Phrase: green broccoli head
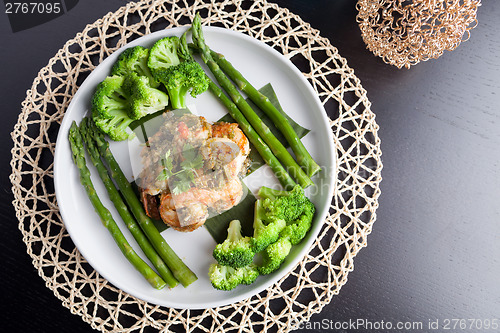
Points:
[[295, 211], [266, 228], [163, 54], [185, 77], [109, 97], [249, 274], [236, 251], [286, 205], [134, 60], [274, 255], [116, 127], [143, 99], [227, 278], [110, 108], [224, 277], [296, 230]]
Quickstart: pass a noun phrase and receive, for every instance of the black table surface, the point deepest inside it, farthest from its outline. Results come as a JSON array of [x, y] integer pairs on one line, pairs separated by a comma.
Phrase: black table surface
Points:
[[433, 253]]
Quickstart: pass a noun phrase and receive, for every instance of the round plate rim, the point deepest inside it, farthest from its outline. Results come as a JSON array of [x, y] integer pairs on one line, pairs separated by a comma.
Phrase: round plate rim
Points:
[[320, 214]]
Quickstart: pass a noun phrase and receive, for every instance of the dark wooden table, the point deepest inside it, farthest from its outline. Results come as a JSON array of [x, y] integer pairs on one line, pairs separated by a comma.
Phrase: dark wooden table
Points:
[[433, 253]]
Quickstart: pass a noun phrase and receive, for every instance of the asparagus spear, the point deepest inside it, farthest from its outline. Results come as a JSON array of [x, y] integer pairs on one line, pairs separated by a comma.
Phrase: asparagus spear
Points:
[[122, 209], [76, 143], [265, 133], [181, 272], [303, 157]]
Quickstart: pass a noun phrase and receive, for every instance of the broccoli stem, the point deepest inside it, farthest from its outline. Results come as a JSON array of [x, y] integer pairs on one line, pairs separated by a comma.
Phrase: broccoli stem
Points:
[[177, 97], [265, 133], [269, 193], [234, 231], [303, 157], [76, 143], [122, 209], [259, 216], [181, 272]]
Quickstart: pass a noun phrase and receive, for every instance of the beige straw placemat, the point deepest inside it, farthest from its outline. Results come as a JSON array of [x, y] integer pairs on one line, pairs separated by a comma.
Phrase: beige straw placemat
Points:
[[313, 282]]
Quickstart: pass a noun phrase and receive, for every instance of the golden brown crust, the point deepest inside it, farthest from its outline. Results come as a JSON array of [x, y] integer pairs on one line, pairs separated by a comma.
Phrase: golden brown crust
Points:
[[150, 204]]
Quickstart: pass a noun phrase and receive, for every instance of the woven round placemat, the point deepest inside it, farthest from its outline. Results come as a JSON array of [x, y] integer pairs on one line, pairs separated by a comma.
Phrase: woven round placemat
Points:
[[312, 283]]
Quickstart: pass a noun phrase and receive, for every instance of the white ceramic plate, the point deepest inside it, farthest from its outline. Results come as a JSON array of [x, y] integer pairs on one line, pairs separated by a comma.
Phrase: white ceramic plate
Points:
[[260, 64]]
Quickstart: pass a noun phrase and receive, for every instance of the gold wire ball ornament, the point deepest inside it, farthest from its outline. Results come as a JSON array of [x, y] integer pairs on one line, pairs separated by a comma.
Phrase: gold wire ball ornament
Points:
[[405, 32]]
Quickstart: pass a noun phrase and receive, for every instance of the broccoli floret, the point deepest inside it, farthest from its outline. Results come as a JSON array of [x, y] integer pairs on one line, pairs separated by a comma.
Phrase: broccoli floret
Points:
[[228, 278], [163, 54], [143, 99], [134, 60], [224, 277], [116, 127], [296, 230], [295, 210], [234, 260], [236, 251], [287, 205], [110, 108], [109, 97], [292, 206], [172, 64], [249, 274], [274, 255], [185, 77], [266, 228]]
